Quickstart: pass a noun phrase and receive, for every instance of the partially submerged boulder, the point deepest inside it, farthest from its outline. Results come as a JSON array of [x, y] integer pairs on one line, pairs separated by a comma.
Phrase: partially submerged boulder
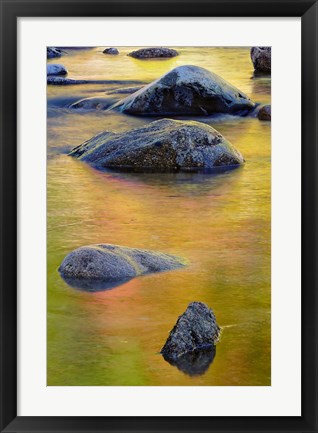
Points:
[[55, 69], [111, 50], [196, 329], [100, 103], [265, 113], [93, 103], [261, 58], [163, 144], [103, 266], [187, 90], [52, 52], [153, 52]]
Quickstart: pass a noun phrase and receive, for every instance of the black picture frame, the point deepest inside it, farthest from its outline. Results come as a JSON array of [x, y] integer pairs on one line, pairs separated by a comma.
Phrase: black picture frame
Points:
[[10, 11]]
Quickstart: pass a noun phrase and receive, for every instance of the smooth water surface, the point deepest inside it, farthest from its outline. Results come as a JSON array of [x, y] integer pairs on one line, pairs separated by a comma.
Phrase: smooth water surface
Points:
[[220, 223]]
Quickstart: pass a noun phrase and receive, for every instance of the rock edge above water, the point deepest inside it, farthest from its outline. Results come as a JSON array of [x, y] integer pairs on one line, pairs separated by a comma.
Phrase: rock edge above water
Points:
[[261, 58], [112, 51], [265, 113], [154, 52], [52, 52], [55, 69]]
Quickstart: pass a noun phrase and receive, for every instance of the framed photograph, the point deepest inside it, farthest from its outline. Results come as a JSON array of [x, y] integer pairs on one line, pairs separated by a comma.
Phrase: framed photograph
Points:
[[158, 224]]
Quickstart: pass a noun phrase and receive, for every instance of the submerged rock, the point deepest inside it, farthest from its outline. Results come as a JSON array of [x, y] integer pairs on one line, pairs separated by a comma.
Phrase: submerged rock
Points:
[[55, 69], [261, 58], [124, 90], [187, 90], [94, 103], [265, 113], [193, 363], [162, 144], [52, 52], [154, 52], [112, 51], [102, 266], [196, 329]]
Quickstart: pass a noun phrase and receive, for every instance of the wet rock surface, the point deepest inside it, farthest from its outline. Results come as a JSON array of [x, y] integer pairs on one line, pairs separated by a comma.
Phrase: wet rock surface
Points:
[[55, 69], [113, 51], [265, 113], [196, 329], [187, 90], [154, 52], [261, 58], [162, 144], [103, 266]]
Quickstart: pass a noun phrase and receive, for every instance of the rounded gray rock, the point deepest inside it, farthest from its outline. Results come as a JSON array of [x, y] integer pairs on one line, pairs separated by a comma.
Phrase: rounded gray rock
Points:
[[96, 263], [261, 58], [196, 329], [163, 144], [55, 69], [154, 52], [101, 266], [186, 90], [111, 50]]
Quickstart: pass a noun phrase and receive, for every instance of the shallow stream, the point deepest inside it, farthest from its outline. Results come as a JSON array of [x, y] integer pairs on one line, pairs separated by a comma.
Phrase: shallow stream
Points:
[[220, 223]]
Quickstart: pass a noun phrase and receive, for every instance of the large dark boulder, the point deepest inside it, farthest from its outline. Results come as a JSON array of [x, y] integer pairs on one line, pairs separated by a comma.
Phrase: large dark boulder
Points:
[[196, 329], [163, 144], [55, 69], [261, 58], [102, 266], [186, 90], [154, 52]]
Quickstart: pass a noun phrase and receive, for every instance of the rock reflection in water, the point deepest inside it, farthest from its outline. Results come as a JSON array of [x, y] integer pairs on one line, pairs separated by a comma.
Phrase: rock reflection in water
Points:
[[194, 363]]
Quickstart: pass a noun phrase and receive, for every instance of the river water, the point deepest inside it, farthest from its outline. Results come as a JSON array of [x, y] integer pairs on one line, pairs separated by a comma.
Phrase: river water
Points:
[[220, 223]]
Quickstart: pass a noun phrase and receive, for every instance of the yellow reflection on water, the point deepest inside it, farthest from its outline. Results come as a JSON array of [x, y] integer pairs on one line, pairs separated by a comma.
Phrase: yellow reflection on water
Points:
[[221, 224]]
